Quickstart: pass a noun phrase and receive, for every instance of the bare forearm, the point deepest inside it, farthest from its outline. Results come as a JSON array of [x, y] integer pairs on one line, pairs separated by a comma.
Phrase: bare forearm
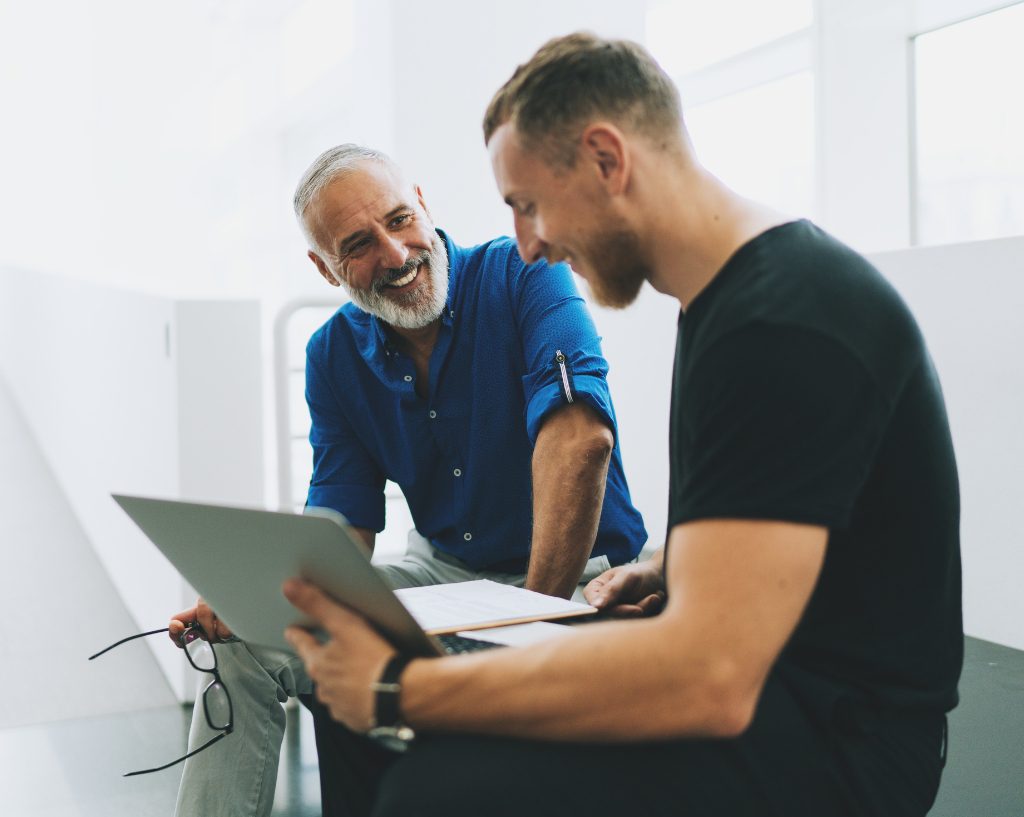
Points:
[[552, 691], [570, 468], [737, 589]]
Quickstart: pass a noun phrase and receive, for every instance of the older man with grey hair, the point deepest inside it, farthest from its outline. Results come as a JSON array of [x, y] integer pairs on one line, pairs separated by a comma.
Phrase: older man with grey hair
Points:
[[471, 379]]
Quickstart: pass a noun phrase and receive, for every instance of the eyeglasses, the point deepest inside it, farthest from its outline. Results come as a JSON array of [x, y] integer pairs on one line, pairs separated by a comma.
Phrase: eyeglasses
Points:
[[216, 701]]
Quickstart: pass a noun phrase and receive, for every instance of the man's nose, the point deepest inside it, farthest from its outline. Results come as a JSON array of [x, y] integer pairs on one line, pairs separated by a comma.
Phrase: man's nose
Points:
[[393, 252], [531, 247]]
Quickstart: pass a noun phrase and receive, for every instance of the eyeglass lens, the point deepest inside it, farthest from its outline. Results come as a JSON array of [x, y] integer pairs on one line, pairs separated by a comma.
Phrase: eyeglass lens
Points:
[[217, 706], [199, 652]]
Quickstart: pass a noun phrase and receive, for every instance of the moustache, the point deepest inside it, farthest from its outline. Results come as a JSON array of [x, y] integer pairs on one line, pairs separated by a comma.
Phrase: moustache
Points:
[[391, 275]]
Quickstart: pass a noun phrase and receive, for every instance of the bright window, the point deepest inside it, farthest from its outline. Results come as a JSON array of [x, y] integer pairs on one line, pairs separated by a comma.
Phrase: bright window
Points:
[[970, 129]]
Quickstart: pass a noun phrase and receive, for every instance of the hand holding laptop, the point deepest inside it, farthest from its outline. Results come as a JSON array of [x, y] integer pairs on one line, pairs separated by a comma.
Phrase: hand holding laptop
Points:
[[345, 667]]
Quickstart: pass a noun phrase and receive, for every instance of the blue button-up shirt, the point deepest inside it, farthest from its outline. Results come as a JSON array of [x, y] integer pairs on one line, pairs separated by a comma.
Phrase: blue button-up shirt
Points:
[[515, 343]]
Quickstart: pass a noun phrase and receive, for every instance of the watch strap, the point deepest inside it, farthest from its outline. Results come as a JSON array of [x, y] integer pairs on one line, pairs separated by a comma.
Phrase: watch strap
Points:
[[387, 711]]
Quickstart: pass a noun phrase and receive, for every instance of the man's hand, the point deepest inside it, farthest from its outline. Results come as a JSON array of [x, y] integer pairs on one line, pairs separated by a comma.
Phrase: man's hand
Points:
[[629, 591], [344, 668], [214, 629]]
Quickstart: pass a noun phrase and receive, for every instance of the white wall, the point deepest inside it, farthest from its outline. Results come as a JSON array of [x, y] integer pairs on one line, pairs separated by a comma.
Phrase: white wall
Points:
[[967, 299], [137, 394], [451, 56], [157, 147]]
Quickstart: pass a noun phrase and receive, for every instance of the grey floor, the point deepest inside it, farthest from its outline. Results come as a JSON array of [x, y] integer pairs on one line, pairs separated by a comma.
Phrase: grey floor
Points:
[[74, 768], [984, 775]]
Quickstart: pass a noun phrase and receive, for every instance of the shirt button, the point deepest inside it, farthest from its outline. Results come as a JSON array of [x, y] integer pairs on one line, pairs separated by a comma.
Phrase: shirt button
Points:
[[457, 472], [407, 378], [467, 536], [433, 414]]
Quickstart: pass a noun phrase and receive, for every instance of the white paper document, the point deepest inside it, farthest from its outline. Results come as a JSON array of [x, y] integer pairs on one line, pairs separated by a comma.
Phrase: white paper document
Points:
[[447, 608]]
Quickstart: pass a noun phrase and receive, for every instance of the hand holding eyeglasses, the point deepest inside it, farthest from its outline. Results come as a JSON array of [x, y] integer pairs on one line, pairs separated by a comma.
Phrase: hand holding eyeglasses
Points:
[[213, 629]]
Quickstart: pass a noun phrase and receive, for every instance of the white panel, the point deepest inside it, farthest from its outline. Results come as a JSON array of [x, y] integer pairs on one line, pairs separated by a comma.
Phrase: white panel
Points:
[[863, 92], [220, 408], [968, 300], [639, 344], [95, 372]]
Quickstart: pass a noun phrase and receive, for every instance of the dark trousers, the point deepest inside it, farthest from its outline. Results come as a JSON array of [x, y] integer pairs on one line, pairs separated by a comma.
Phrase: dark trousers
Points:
[[790, 762]]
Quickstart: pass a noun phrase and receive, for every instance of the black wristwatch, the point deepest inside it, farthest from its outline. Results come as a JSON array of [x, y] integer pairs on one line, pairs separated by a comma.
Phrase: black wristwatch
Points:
[[387, 728]]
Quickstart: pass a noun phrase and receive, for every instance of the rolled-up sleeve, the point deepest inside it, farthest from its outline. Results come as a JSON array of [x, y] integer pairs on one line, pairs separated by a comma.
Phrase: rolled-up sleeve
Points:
[[345, 476], [560, 346]]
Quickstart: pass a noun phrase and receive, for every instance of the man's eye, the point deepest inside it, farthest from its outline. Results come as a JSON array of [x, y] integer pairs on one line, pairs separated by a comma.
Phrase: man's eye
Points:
[[526, 210], [400, 221], [356, 249]]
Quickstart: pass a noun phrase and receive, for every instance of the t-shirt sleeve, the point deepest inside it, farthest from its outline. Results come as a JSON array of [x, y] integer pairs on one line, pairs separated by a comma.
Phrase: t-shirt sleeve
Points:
[[560, 346], [345, 477], [775, 423]]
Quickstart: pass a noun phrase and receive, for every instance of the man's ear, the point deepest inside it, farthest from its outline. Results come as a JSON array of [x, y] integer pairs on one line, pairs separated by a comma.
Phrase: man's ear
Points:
[[318, 262], [604, 146], [422, 201]]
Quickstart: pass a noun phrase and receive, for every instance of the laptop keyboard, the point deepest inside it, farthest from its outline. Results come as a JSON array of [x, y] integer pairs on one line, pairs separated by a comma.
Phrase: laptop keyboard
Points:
[[457, 644]]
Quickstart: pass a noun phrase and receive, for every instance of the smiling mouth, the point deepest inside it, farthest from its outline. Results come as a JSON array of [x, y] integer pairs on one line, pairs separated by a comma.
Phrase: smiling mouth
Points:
[[405, 280]]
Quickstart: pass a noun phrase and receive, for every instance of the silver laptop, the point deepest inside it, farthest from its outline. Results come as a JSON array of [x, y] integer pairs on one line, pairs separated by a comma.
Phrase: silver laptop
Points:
[[237, 559]]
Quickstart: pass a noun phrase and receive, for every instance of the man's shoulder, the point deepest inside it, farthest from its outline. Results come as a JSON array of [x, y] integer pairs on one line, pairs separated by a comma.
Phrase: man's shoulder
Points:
[[496, 253], [496, 266], [799, 281]]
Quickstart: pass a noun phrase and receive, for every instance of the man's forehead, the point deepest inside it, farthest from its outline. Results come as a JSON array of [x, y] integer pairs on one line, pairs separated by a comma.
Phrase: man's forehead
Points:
[[507, 156], [515, 165], [367, 193]]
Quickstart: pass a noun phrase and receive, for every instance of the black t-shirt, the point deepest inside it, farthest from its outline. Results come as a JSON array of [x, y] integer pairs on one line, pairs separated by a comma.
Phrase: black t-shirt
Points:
[[803, 392]]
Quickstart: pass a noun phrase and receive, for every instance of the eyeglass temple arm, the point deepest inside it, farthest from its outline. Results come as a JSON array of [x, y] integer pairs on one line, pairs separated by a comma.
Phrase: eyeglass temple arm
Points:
[[129, 638], [180, 759]]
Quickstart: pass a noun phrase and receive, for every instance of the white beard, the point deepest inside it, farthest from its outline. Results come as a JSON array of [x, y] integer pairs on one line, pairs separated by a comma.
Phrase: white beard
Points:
[[416, 309]]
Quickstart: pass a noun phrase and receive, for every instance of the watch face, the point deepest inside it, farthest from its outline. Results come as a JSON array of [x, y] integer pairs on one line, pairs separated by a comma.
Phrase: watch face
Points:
[[395, 738]]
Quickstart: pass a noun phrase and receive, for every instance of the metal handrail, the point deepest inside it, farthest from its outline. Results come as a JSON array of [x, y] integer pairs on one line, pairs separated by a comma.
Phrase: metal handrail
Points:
[[282, 405]]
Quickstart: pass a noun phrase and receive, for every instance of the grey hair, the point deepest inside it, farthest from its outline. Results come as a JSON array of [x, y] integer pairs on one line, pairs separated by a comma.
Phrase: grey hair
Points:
[[329, 165]]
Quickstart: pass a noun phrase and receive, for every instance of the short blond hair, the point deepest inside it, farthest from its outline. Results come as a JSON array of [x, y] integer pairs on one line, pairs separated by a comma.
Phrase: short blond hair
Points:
[[580, 77]]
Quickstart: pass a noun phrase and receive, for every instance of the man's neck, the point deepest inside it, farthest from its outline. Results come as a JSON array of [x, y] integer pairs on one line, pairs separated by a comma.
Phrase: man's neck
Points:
[[417, 343], [704, 225]]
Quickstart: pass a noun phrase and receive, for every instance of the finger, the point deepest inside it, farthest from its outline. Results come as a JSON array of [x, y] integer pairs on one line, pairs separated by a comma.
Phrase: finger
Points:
[[221, 630], [185, 616], [652, 604], [302, 642], [175, 629], [207, 619], [594, 592], [611, 589]]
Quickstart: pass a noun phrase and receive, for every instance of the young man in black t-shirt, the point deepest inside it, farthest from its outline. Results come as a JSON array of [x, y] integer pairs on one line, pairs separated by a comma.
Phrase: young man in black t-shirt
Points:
[[808, 639]]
